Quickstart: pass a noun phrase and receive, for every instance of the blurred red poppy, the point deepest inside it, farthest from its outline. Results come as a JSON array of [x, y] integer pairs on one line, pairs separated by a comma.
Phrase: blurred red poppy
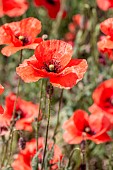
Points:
[[20, 35], [107, 4], [103, 99], [105, 45], [83, 127], [25, 156], [13, 8], [53, 60], [1, 91], [52, 6], [25, 113]]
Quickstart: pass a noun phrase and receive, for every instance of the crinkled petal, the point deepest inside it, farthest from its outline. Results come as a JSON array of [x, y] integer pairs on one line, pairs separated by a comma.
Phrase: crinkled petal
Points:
[[56, 50], [107, 27], [27, 72], [71, 75], [30, 27], [10, 50]]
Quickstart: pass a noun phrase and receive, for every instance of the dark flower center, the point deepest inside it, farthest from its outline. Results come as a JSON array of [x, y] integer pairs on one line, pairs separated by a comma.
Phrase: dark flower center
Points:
[[18, 114], [3, 129], [52, 2], [52, 66], [88, 130], [109, 102], [23, 39]]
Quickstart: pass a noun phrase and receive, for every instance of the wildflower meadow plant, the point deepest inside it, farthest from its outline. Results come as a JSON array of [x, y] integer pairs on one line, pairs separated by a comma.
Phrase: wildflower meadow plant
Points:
[[56, 89]]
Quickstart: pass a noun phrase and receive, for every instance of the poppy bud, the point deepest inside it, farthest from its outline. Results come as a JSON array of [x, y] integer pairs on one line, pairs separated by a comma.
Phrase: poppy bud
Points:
[[44, 37], [82, 167], [22, 143], [83, 145], [102, 60]]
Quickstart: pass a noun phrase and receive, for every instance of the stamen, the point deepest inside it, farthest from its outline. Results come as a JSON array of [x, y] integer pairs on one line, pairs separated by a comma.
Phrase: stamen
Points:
[[51, 67], [87, 129], [21, 37]]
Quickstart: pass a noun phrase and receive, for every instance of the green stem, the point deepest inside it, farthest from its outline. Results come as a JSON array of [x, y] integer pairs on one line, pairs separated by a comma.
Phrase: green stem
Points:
[[57, 22], [71, 155], [38, 123], [47, 127], [58, 115], [12, 123]]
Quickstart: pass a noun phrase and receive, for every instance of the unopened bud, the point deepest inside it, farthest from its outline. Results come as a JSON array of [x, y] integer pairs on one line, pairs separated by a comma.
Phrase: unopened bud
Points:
[[22, 143], [44, 37]]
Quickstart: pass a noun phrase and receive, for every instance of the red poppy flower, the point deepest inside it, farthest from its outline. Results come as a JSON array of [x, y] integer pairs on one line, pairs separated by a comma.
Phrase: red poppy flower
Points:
[[105, 45], [80, 21], [13, 8], [103, 99], [53, 6], [83, 127], [107, 4], [25, 112], [77, 19], [1, 91], [25, 156], [20, 35], [53, 60]]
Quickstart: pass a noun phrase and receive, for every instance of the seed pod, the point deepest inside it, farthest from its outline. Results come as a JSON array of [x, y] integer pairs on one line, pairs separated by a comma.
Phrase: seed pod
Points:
[[22, 143]]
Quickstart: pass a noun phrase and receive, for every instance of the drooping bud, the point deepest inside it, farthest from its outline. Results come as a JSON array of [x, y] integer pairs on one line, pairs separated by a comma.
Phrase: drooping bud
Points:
[[44, 37], [22, 143]]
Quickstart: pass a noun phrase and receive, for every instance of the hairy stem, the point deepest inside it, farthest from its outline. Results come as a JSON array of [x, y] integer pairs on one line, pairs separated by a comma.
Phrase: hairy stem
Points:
[[48, 123], [12, 123], [58, 115], [38, 123]]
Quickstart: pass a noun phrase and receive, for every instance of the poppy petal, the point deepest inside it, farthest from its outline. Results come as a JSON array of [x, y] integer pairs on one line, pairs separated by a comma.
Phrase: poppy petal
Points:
[[105, 45], [14, 8], [102, 138], [30, 26], [26, 72], [1, 89], [70, 76], [1, 110], [80, 119], [10, 50], [56, 50], [107, 27], [106, 5]]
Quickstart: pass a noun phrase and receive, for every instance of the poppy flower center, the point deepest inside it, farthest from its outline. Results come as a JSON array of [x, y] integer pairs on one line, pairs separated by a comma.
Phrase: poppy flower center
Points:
[[18, 114], [23, 39], [88, 130], [52, 2], [52, 66], [3, 129], [109, 102]]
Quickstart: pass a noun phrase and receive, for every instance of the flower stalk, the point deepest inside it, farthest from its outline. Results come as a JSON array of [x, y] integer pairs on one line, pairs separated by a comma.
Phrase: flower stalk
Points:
[[48, 123]]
